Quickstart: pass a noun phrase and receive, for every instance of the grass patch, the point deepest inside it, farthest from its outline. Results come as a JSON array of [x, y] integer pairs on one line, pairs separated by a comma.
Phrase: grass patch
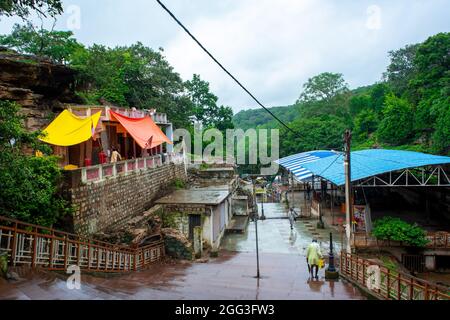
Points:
[[179, 184]]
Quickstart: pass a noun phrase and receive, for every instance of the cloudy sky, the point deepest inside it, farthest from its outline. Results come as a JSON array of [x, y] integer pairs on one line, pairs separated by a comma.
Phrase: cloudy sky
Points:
[[272, 46]]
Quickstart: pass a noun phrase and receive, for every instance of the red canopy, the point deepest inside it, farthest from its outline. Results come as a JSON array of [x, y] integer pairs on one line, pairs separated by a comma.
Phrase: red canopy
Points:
[[143, 130]]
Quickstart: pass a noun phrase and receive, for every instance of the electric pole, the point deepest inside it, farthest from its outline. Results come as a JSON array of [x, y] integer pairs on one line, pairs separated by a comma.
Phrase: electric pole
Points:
[[292, 208], [256, 217], [263, 217], [348, 188]]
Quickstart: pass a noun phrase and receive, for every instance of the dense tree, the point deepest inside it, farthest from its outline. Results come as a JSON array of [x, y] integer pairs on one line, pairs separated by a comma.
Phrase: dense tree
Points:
[[205, 102], [101, 75], [132, 76], [29, 185], [396, 127], [60, 46], [324, 132], [224, 118], [359, 103], [378, 95], [323, 87], [410, 109], [366, 123], [401, 69], [23, 8], [433, 64], [441, 135], [206, 109], [135, 76], [247, 119], [430, 90]]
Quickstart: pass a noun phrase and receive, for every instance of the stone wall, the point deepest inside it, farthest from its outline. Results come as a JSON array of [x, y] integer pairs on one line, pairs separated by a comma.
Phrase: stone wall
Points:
[[177, 216], [111, 203]]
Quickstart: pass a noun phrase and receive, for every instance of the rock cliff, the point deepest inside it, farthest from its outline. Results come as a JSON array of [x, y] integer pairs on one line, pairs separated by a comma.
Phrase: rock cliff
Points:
[[39, 86]]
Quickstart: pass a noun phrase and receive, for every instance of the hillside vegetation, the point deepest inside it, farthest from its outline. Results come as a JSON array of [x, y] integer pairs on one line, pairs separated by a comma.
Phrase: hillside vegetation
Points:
[[130, 76], [409, 109]]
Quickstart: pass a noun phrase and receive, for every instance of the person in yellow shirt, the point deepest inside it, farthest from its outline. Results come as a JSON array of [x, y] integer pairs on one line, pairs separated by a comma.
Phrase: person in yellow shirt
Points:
[[313, 256], [115, 156]]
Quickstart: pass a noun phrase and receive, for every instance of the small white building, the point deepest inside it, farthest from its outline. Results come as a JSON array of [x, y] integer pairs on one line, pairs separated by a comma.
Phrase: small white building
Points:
[[209, 209]]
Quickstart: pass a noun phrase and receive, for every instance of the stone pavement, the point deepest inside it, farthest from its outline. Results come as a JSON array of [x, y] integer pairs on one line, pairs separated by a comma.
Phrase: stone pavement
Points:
[[231, 276], [275, 234]]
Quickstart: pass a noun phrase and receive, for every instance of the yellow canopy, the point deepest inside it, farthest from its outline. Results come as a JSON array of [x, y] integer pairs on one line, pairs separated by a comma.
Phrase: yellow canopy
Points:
[[69, 130]]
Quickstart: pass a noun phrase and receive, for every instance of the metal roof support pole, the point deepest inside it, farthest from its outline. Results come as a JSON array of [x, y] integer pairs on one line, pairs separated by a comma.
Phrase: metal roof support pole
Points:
[[332, 206], [348, 189], [292, 208]]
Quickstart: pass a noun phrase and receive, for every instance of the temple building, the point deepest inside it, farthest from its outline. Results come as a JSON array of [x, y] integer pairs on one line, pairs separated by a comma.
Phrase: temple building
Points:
[[83, 136]]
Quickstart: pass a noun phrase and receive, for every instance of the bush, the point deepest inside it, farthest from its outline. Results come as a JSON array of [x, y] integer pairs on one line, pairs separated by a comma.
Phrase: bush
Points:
[[395, 229], [179, 184], [29, 185]]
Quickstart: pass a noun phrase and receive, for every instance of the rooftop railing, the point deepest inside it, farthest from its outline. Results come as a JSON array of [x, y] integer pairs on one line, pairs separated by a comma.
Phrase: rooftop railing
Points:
[[112, 170], [85, 111]]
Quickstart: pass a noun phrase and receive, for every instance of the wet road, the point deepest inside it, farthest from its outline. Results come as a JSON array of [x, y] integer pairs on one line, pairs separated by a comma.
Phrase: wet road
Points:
[[231, 276], [275, 235]]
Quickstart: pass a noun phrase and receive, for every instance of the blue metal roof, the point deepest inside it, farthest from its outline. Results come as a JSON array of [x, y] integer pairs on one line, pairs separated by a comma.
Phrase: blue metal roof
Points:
[[295, 163], [368, 163]]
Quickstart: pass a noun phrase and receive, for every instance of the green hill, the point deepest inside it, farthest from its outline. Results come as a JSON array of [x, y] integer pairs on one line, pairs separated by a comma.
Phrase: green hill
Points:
[[253, 118], [258, 118]]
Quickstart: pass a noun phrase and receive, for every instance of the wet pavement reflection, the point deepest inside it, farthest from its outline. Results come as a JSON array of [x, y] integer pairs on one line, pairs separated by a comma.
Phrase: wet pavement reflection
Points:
[[231, 276]]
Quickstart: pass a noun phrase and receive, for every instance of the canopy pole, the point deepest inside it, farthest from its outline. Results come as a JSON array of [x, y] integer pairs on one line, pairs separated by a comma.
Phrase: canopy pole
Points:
[[348, 189], [332, 205]]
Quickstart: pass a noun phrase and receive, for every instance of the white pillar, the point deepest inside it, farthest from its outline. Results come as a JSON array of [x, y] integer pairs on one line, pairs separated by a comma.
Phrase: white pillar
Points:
[[169, 134]]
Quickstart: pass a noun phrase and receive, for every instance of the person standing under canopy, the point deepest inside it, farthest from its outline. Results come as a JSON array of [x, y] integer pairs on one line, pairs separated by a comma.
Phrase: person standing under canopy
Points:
[[313, 257], [115, 156]]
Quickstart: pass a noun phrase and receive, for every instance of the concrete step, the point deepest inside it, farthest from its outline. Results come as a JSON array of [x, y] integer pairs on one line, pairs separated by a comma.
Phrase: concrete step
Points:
[[238, 224]]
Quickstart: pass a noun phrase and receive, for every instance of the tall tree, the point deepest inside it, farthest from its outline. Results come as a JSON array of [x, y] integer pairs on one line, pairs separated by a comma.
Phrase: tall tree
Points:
[[323, 87], [58, 46], [401, 68], [23, 8], [135, 76], [430, 90], [206, 109]]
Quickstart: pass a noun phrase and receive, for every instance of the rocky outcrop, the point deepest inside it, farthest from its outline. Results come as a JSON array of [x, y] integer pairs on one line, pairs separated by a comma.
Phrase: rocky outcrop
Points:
[[177, 245], [139, 231], [38, 85]]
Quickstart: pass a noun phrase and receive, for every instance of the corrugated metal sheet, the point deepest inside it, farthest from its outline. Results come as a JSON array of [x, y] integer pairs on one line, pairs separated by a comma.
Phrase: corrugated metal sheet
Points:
[[295, 163], [368, 163]]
